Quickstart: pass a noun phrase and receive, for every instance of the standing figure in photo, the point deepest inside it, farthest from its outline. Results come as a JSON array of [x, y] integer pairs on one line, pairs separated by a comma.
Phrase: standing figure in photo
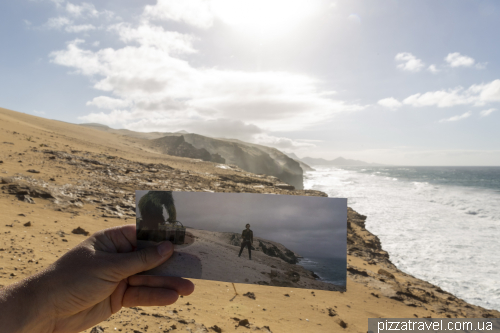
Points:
[[247, 240]]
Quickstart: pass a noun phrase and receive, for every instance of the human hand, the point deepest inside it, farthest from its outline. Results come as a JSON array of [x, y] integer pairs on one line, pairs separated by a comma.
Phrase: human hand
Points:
[[89, 283]]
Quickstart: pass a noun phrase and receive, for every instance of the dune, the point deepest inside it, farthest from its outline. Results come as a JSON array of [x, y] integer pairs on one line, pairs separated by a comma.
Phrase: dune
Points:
[[57, 177]]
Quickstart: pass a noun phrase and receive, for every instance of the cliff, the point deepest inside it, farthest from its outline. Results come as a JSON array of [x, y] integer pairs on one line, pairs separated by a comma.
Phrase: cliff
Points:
[[249, 157]]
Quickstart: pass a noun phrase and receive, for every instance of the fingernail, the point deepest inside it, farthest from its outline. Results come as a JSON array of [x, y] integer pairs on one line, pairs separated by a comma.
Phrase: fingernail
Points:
[[164, 248]]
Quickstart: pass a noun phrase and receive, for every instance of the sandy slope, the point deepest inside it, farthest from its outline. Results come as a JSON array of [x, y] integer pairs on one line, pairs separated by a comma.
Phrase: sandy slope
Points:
[[94, 196], [211, 257]]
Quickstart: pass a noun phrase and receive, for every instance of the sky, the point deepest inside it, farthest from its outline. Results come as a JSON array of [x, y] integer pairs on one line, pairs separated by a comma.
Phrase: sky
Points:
[[413, 82], [310, 226]]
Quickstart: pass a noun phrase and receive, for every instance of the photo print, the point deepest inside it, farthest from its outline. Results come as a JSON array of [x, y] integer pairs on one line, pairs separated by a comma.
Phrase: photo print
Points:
[[265, 239]]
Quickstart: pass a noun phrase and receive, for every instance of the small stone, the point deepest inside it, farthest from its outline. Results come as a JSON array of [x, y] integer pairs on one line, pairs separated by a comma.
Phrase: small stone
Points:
[[97, 329], [244, 323], [33, 171], [386, 273], [80, 231], [27, 224], [216, 329]]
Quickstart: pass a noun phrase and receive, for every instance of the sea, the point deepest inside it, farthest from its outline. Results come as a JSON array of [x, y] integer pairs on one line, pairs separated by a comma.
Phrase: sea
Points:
[[329, 270], [439, 224]]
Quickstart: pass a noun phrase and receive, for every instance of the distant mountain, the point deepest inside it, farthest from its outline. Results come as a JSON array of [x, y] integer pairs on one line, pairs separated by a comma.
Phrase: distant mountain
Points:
[[248, 156], [339, 161], [303, 165]]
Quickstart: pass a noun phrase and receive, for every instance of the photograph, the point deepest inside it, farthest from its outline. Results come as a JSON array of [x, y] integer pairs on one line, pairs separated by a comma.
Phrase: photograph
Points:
[[265, 239]]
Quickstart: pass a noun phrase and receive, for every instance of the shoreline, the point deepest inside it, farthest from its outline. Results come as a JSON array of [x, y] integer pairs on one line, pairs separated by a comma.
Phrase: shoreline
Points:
[[86, 180]]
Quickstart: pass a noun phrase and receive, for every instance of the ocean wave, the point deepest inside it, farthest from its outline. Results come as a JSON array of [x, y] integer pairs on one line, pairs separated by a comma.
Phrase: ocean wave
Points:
[[443, 233]]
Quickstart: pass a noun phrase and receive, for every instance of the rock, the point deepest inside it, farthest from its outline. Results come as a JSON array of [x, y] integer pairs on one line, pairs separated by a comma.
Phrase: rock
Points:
[[331, 312], [97, 329], [250, 295], [27, 224], [216, 329], [286, 295], [80, 231], [284, 186], [244, 323], [33, 171], [28, 199], [1, 162], [386, 273], [341, 323]]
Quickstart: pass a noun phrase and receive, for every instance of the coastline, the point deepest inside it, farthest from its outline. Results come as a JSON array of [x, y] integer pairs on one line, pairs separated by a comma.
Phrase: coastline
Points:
[[86, 179]]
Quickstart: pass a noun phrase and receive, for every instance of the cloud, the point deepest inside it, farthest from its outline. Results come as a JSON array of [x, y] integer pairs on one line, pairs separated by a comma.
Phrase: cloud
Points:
[[477, 95], [194, 12], [408, 62], [150, 78], [57, 22], [390, 103], [155, 36], [433, 69], [457, 118], [457, 60], [104, 102], [486, 113], [281, 142], [85, 9]]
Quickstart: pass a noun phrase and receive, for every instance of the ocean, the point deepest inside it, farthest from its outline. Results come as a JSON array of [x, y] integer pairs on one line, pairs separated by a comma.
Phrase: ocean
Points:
[[330, 270], [439, 224]]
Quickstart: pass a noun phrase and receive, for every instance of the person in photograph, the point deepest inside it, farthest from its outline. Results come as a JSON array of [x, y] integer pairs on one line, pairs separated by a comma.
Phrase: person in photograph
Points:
[[247, 240]]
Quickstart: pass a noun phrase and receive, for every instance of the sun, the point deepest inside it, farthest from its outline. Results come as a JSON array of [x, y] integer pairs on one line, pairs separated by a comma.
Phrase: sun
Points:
[[265, 18]]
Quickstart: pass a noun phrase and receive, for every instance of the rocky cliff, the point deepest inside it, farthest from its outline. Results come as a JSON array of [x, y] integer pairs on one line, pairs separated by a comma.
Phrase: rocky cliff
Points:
[[249, 157], [177, 146]]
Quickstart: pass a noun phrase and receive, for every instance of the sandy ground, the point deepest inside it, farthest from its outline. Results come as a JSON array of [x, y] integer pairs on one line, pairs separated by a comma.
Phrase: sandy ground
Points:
[[375, 288]]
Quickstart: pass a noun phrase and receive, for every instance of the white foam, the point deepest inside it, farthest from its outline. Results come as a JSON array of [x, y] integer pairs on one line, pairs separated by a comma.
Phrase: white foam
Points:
[[446, 235]]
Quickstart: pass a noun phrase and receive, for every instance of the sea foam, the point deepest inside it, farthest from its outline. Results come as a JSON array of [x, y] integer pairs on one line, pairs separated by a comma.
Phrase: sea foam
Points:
[[444, 234]]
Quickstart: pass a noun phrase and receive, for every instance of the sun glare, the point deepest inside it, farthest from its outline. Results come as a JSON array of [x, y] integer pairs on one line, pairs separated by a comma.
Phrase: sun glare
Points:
[[264, 17]]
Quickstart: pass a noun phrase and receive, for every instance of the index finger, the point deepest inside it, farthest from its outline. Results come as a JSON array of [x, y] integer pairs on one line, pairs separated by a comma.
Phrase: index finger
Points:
[[182, 286]]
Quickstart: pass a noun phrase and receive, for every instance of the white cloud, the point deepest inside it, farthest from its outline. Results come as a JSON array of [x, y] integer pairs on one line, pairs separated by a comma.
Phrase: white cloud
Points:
[[457, 60], [194, 12], [479, 94], [390, 103], [85, 9], [281, 142], [408, 62], [457, 118], [105, 102], [433, 69], [155, 36], [486, 113], [150, 79], [57, 22]]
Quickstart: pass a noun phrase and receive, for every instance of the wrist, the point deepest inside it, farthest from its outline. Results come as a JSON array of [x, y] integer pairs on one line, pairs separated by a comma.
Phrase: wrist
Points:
[[24, 308]]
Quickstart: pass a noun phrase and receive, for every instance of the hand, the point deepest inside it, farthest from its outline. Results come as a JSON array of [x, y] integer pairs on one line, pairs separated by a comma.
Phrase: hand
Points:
[[89, 283]]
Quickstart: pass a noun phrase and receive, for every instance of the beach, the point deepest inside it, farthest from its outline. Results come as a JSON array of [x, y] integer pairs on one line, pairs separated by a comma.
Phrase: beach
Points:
[[58, 177]]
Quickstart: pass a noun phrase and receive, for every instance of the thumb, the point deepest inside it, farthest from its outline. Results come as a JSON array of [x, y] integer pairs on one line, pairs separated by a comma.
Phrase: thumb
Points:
[[145, 259]]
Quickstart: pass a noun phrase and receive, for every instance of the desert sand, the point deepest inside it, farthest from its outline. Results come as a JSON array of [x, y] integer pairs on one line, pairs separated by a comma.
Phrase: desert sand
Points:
[[57, 177]]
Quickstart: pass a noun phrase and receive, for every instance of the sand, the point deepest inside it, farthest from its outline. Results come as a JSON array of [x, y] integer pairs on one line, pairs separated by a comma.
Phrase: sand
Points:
[[97, 196]]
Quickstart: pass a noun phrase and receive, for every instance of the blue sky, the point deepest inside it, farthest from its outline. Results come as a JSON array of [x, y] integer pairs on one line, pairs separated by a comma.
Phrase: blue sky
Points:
[[397, 82]]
